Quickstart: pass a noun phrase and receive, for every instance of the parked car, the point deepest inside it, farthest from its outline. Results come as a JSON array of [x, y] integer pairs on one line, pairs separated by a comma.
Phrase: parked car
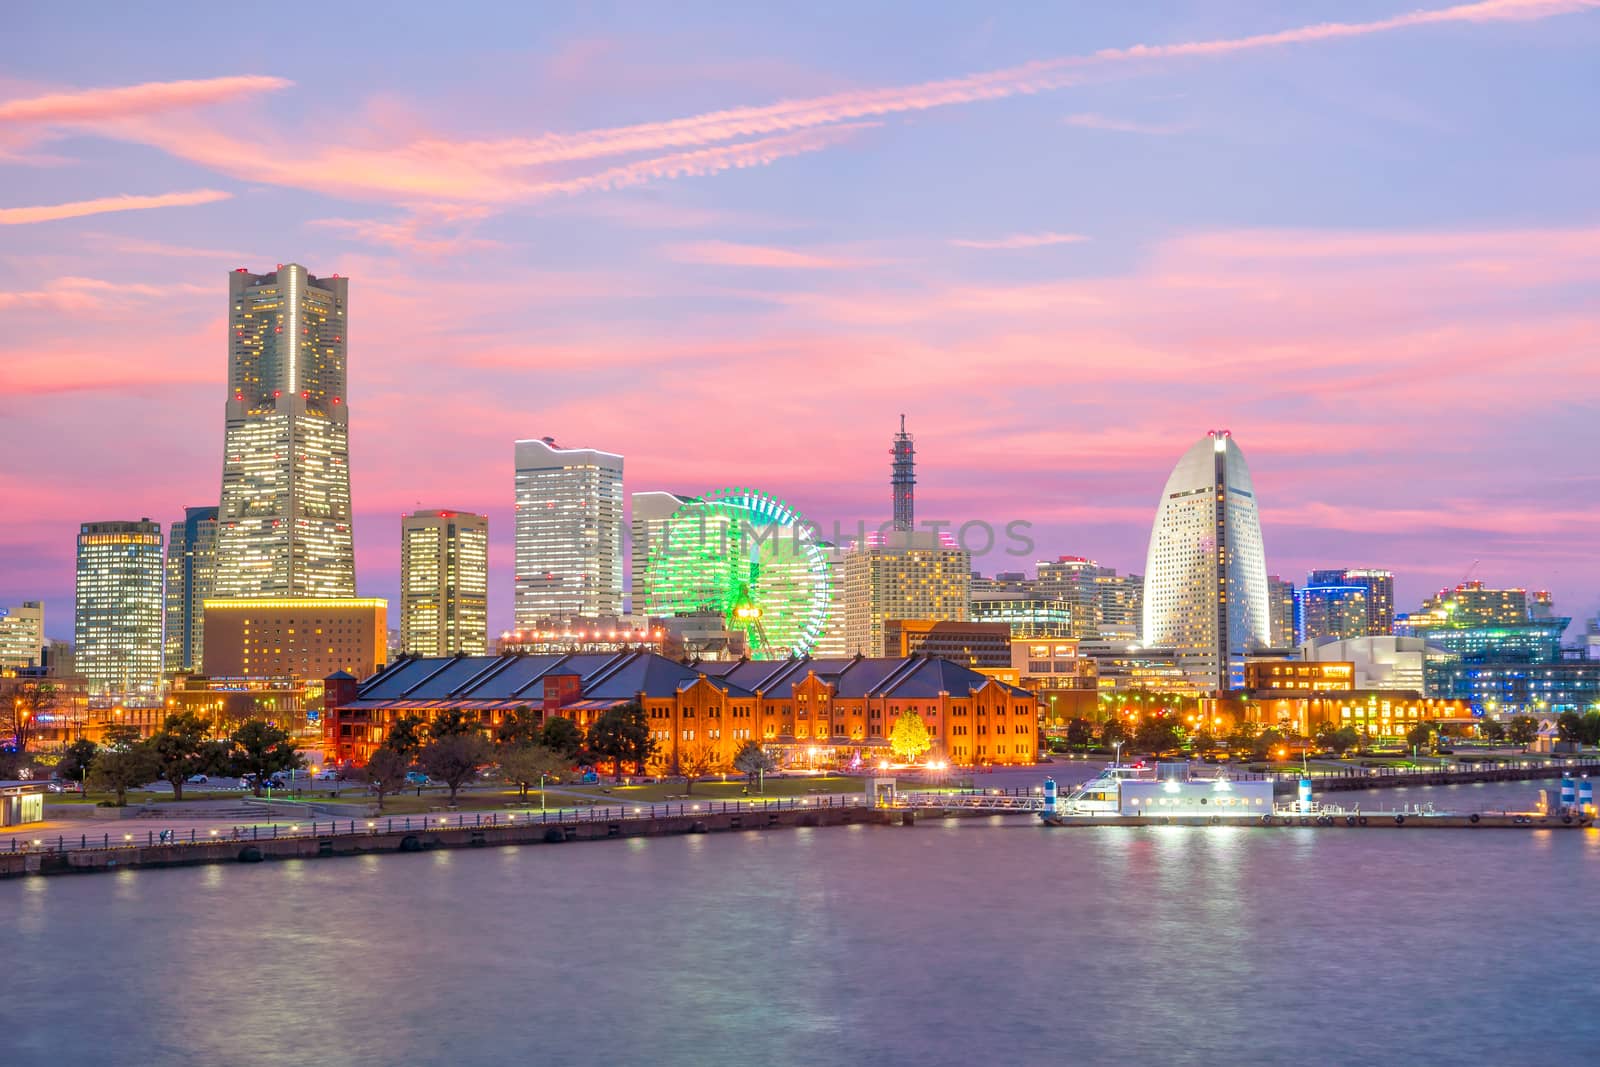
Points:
[[248, 781], [197, 779], [327, 776], [65, 785], [417, 778]]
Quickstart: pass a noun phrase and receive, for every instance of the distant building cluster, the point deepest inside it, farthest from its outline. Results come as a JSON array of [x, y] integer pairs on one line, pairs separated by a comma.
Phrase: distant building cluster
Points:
[[253, 598]]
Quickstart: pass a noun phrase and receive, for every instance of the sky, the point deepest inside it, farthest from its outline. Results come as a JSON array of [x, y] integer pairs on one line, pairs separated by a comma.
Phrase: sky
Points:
[[736, 242]]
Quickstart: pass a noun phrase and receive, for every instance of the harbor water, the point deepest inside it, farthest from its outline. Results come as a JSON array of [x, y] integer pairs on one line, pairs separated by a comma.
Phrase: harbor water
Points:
[[970, 941]]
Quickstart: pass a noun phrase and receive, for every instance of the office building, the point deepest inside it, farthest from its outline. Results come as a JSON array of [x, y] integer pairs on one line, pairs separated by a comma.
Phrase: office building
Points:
[[1104, 604], [191, 578], [1472, 604], [1378, 587], [119, 622], [975, 644], [1028, 614], [283, 529], [831, 642], [568, 532], [1205, 590], [905, 576], [650, 517], [1338, 611], [304, 638], [444, 583], [1280, 611], [22, 641], [1385, 662]]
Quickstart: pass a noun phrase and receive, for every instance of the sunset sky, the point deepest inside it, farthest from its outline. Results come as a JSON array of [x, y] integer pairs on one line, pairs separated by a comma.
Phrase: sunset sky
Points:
[[733, 243]]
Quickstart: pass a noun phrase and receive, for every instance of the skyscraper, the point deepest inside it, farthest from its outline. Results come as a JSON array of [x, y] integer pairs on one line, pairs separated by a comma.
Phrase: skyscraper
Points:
[[903, 479], [1338, 611], [647, 528], [118, 623], [1280, 610], [909, 576], [191, 577], [569, 532], [284, 524], [22, 635], [444, 583], [1104, 603], [1379, 586], [1205, 591]]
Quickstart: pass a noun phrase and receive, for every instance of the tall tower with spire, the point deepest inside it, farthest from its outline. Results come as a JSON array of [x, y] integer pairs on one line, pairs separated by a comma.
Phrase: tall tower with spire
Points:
[[903, 479]]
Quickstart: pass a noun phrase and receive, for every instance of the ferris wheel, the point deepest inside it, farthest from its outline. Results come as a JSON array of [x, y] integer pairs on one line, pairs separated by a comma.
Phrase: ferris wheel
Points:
[[750, 557]]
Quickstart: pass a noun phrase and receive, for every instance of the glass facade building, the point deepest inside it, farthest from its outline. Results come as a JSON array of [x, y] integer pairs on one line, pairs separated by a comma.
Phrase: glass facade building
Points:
[[118, 625], [444, 583], [191, 577], [284, 522], [568, 532]]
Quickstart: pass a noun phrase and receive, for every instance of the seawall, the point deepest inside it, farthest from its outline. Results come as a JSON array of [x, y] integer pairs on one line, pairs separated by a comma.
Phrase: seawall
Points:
[[358, 839]]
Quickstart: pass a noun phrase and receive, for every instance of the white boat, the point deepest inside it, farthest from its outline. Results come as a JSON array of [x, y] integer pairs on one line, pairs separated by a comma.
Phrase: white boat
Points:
[[1165, 789]]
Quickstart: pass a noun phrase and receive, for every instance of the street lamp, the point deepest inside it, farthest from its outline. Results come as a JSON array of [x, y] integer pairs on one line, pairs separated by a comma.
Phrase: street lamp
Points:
[[1116, 760]]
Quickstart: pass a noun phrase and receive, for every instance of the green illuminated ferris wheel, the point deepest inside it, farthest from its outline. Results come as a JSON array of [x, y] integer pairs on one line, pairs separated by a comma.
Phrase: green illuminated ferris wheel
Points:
[[749, 557]]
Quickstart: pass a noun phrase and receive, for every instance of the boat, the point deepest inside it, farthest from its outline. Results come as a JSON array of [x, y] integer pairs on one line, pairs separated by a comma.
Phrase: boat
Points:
[[1174, 793], [1163, 790]]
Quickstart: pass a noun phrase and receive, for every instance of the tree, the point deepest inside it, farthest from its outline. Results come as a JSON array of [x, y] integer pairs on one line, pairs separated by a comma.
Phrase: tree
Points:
[[455, 758], [454, 722], [1262, 744], [177, 748], [1156, 734], [75, 760], [1590, 734], [521, 727], [528, 765], [1523, 729], [562, 735], [1569, 726], [695, 761], [608, 739], [1492, 729], [261, 749], [19, 720], [909, 738], [636, 733], [1080, 733], [407, 735], [1112, 732], [386, 772], [1420, 736], [1343, 739], [1202, 741], [754, 762], [116, 770]]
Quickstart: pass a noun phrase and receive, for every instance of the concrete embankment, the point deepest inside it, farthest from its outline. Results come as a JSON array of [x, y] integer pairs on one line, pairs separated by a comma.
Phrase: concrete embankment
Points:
[[364, 841]]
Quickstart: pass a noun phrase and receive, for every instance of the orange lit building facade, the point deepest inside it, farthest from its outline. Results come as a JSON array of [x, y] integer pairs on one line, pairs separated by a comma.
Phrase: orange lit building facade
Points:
[[808, 712]]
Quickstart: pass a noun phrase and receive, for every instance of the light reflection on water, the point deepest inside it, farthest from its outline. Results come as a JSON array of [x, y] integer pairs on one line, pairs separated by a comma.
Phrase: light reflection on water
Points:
[[984, 942]]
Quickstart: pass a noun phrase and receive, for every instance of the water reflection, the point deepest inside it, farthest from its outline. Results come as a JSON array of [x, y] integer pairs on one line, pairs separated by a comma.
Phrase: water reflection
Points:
[[959, 942]]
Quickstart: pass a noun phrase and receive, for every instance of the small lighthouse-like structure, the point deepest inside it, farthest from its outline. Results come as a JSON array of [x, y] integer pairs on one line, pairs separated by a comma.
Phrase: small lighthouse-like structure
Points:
[[903, 479]]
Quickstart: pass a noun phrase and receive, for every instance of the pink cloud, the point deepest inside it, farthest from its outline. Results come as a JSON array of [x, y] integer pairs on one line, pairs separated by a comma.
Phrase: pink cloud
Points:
[[731, 254], [1092, 121], [1021, 240], [17, 216], [415, 164], [150, 98]]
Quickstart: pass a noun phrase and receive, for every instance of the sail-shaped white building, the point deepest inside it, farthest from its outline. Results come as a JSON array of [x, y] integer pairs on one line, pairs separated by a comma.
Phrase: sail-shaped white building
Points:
[[1205, 586]]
